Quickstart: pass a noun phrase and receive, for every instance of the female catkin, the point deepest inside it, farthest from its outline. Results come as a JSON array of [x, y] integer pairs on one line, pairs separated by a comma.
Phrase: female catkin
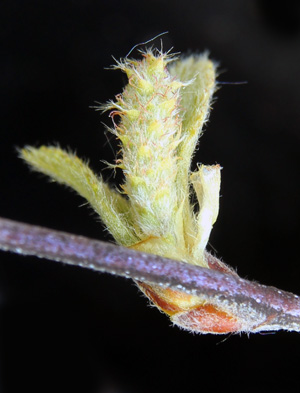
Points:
[[150, 132]]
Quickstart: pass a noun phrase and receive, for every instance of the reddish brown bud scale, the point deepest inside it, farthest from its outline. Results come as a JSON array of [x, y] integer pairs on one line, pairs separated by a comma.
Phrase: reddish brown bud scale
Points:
[[204, 318], [208, 319]]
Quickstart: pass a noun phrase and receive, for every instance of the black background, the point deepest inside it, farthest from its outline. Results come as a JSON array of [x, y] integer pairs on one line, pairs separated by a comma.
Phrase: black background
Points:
[[65, 329]]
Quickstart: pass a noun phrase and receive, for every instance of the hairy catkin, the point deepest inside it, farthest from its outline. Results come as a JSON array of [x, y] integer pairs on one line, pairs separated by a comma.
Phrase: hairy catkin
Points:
[[150, 130]]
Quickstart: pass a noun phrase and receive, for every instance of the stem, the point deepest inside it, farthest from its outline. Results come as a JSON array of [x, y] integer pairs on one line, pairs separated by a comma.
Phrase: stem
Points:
[[281, 309]]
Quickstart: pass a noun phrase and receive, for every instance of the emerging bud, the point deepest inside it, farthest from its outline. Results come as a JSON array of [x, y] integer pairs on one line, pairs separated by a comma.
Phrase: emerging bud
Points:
[[161, 113]]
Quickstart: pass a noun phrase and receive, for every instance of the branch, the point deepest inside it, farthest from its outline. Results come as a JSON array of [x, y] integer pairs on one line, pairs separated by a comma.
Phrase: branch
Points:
[[262, 307]]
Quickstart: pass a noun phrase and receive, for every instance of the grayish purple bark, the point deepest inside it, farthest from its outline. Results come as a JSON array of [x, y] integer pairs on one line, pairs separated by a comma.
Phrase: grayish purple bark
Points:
[[277, 309]]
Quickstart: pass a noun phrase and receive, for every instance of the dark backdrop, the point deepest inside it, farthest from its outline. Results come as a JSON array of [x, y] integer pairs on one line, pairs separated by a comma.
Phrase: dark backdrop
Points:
[[65, 329]]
